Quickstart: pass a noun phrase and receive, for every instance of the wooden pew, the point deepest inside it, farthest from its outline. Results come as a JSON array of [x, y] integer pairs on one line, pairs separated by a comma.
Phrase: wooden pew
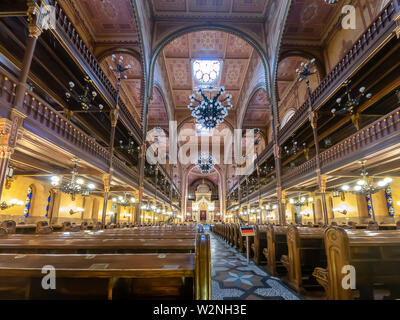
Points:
[[230, 234], [94, 246], [260, 242], [276, 247], [236, 233], [25, 228], [104, 235], [104, 276], [375, 256], [306, 251]]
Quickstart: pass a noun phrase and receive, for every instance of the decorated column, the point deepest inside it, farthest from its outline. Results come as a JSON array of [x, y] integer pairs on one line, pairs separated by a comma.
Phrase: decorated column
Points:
[[106, 181]]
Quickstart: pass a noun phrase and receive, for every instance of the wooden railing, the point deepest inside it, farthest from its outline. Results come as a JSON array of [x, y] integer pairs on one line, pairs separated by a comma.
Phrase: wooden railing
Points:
[[68, 33], [300, 171], [368, 137], [373, 36], [367, 140], [44, 121]]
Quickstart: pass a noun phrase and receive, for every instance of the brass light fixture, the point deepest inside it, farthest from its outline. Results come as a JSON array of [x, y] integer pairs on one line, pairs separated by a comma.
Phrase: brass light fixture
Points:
[[352, 104]]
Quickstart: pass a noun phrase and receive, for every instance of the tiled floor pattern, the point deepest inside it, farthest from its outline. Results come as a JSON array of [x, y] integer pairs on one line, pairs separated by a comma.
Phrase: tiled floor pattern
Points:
[[233, 279]]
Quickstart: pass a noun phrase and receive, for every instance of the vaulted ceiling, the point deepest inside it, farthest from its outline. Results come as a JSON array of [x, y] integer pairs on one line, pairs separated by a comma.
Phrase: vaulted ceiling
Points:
[[179, 54]]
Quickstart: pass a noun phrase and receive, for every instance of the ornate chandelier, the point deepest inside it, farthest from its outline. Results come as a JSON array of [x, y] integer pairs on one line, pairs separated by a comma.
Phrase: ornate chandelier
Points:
[[124, 201], [205, 163], [75, 186], [130, 147], [210, 112], [352, 104], [365, 186], [85, 100]]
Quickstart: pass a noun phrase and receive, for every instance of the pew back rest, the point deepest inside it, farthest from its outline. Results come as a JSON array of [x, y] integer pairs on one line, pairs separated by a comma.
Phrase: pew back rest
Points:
[[42, 227], [9, 225], [376, 251], [84, 225]]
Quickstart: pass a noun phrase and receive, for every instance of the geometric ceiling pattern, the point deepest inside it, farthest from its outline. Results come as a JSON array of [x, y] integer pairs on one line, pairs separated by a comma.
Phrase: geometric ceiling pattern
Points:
[[108, 21], [178, 55], [308, 19], [257, 113], [251, 10], [287, 72], [157, 115]]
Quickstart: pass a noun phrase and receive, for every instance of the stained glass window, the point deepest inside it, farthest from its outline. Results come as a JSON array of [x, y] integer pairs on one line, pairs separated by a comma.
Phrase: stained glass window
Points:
[[48, 204], [369, 206], [28, 202], [206, 71], [389, 201]]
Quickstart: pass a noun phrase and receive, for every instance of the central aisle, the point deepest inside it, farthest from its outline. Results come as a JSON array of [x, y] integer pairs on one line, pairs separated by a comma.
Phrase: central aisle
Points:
[[232, 279]]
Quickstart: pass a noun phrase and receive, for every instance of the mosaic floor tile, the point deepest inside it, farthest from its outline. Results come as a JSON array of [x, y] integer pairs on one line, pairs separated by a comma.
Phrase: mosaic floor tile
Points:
[[234, 279]]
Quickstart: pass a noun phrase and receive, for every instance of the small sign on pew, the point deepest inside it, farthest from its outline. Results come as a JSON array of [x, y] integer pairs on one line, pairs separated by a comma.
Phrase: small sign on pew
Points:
[[247, 231]]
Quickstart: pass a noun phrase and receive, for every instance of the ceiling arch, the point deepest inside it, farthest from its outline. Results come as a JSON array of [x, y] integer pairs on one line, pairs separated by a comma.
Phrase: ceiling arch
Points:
[[158, 115], [257, 113], [169, 37]]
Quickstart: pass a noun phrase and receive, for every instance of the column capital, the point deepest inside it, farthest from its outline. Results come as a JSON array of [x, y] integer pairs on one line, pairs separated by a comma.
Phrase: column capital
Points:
[[106, 181], [33, 19], [313, 118], [323, 183], [114, 114], [397, 20], [277, 151], [6, 152]]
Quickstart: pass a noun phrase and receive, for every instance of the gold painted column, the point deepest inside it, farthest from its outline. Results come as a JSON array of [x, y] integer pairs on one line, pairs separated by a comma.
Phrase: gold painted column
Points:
[[106, 181], [321, 180], [55, 208], [362, 208], [329, 205], [281, 195], [10, 135], [142, 161], [380, 204]]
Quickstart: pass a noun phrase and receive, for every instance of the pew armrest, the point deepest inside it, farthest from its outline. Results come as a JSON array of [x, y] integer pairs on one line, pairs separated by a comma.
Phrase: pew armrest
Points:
[[285, 261], [321, 274], [265, 253]]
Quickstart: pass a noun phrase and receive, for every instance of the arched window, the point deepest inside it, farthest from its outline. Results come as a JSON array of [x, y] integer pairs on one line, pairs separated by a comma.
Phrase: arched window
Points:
[[389, 201], [28, 201], [49, 203], [287, 117]]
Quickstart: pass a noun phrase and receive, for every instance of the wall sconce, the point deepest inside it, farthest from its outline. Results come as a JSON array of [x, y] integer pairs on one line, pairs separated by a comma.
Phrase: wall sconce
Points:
[[78, 210], [342, 209], [9, 176], [306, 213], [13, 202]]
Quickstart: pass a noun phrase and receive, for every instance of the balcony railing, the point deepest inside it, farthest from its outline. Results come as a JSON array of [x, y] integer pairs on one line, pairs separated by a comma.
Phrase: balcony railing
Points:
[[372, 136], [69, 34], [372, 38], [44, 121], [366, 141]]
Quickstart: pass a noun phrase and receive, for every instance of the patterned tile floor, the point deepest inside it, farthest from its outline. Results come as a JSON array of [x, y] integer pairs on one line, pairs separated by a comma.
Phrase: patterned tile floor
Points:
[[233, 279]]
